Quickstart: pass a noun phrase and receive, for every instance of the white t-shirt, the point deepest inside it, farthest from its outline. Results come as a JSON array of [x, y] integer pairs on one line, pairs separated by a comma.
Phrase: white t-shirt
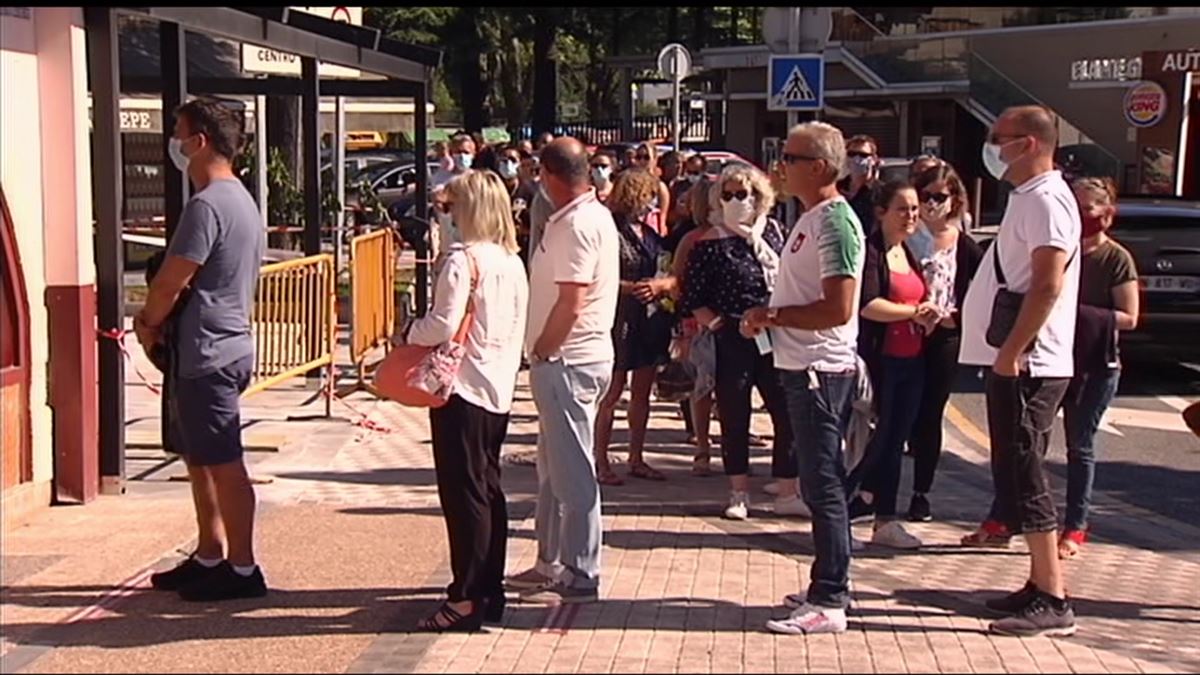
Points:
[[827, 241], [489, 370], [579, 245], [1042, 211]]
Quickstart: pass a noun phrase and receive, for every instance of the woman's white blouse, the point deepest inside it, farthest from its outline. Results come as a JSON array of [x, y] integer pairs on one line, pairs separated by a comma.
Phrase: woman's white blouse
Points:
[[489, 370]]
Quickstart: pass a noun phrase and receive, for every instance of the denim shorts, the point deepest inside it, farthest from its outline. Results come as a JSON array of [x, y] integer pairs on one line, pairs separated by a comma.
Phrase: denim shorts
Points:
[[206, 416]]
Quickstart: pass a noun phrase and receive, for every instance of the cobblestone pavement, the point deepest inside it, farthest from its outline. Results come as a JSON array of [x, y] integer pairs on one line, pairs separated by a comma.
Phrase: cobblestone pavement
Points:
[[682, 589], [686, 591]]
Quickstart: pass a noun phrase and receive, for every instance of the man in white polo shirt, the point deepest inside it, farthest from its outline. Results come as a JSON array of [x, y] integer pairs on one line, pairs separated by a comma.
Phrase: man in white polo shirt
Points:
[[1035, 255], [574, 281], [813, 322]]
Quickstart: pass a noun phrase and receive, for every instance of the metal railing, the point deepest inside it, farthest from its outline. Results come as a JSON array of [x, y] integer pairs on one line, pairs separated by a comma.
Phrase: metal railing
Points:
[[294, 322], [695, 126], [372, 299]]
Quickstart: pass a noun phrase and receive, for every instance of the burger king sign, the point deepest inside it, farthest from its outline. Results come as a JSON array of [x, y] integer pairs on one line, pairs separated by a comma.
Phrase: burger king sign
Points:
[[1145, 104]]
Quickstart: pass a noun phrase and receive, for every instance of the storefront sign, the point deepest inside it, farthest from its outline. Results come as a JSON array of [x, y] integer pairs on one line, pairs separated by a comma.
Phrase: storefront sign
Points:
[[138, 120], [1106, 70], [256, 59], [1181, 62], [1145, 104]]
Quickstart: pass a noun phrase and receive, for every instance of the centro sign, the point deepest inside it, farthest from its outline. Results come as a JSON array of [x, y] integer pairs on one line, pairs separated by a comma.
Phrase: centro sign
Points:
[[256, 59]]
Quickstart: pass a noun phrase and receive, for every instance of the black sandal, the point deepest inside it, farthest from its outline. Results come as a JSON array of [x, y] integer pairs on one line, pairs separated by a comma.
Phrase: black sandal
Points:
[[458, 623]]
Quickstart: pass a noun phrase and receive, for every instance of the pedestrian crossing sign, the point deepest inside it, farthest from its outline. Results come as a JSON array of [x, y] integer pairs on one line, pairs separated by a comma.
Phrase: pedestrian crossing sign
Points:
[[797, 82]]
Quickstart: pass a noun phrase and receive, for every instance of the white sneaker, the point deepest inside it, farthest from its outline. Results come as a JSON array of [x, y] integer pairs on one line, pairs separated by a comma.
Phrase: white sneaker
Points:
[[739, 506], [772, 489], [792, 506], [857, 544], [809, 620], [893, 535]]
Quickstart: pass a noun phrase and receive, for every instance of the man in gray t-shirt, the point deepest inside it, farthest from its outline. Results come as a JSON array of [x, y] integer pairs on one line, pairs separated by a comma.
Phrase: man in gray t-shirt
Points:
[[215, 255]]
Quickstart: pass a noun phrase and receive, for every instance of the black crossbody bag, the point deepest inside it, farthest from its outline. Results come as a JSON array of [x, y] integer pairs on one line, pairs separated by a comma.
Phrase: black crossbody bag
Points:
[[1007, 304]]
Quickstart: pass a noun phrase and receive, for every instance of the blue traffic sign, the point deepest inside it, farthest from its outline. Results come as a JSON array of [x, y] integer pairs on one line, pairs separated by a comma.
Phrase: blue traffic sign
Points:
[[796, 82]]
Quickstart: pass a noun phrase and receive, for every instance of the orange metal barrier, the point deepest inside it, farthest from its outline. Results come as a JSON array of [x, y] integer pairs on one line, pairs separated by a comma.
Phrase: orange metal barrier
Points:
[[372, 299], [295, 322]]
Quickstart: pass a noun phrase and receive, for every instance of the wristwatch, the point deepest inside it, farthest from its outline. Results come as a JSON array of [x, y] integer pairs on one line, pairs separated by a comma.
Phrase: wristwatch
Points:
[[773, 316]]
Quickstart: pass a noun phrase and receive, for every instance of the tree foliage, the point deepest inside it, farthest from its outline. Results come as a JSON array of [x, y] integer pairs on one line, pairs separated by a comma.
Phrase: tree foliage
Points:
[[489, 64]]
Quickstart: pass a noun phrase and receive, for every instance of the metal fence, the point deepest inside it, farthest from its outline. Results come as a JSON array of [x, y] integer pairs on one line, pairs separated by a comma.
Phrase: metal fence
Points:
[[372, 300], [695, 128], [294, 322]]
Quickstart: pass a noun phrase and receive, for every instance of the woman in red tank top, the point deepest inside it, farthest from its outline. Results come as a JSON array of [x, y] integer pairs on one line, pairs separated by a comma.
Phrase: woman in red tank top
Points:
[[893, 321]]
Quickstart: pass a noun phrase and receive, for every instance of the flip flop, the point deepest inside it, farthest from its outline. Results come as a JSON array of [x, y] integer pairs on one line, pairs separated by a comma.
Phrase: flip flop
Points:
[[645, 471]]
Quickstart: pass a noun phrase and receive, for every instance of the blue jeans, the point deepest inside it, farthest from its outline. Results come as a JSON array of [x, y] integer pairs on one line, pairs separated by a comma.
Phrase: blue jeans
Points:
[[819, 405], [899, 401], [1083, 407], [567, 521]]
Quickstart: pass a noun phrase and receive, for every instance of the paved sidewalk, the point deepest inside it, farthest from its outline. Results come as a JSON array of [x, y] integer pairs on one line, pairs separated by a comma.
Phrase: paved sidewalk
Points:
[[353, 546]]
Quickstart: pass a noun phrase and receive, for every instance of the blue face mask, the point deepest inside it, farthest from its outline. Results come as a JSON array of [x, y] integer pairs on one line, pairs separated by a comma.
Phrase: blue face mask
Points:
[[508, 169], [463, 160]]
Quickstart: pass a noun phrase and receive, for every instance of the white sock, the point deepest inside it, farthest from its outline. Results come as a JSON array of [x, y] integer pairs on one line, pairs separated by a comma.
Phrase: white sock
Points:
[[209, 562], [245, 570]]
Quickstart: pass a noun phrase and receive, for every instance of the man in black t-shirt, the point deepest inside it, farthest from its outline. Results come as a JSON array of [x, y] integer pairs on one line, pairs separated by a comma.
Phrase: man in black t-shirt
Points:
[[862, 162]]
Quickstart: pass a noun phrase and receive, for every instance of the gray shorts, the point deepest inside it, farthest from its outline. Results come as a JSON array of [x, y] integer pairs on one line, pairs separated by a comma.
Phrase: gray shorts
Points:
[[206, 416]]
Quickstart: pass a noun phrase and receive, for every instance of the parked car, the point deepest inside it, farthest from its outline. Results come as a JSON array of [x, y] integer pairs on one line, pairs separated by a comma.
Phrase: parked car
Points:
[[358, 161], [394, 183], [893, 169], [1163, 234]]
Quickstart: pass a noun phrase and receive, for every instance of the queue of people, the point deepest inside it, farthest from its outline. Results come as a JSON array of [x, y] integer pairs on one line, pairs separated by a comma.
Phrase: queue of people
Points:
[[589, 268]]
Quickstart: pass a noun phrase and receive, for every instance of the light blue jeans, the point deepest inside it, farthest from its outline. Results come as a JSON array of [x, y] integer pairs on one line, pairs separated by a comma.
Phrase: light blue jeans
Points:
[[567, 522]]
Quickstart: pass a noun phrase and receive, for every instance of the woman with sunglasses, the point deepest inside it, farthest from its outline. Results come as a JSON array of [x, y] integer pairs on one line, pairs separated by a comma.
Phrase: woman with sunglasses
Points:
[[894, 316], [732, 268], [646, 157], [642, 330], [948, 259]]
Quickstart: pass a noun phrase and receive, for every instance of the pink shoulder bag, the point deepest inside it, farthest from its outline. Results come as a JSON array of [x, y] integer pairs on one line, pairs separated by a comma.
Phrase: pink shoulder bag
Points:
[[422, 377]]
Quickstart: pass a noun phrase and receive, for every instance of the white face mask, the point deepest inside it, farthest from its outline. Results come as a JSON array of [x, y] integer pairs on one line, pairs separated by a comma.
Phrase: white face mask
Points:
[[859, 166], [508, 169], [463, 160], [738, 211], [601, 174], [932, 212], [175, 150], [992, 161]]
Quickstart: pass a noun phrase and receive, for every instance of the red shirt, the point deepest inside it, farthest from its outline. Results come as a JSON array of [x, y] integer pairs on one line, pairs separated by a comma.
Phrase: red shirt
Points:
[[904, 338]]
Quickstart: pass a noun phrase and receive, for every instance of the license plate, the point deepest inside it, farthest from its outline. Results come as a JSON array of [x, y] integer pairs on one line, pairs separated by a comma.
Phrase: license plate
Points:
[[1172, 284]]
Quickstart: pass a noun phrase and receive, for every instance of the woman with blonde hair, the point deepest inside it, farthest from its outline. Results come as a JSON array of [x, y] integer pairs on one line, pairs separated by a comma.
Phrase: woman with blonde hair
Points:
[[642, 330], [482, 276], [646, 157], [731, 269]]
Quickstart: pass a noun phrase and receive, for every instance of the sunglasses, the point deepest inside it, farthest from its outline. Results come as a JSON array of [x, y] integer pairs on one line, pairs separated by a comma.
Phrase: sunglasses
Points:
[[860, 155], [935, 197], [602, 166], [995, 138], [789, 158], [740, 195]]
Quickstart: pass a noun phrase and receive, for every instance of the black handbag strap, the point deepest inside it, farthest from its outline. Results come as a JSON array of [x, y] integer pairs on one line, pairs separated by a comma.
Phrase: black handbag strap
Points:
[[1000, 269]]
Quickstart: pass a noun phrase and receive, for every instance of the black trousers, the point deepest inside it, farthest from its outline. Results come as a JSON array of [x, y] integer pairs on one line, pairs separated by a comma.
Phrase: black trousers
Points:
[[1021, 412], [466, 456], [925, 441], [740, 367]]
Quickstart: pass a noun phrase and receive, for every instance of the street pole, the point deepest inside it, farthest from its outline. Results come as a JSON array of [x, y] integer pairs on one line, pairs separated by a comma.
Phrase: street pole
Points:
[[793, 117], [675, 108], [339, 180], [260, 160]]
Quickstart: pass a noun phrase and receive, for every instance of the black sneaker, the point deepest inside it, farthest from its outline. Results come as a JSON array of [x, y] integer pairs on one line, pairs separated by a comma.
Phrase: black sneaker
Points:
[[223, 583], [860, 511], [1013, 602], [1037, 618], [183, 574], [918, 509]]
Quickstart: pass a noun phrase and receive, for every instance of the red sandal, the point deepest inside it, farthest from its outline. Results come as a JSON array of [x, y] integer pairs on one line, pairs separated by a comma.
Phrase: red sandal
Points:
[[991, 533]]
